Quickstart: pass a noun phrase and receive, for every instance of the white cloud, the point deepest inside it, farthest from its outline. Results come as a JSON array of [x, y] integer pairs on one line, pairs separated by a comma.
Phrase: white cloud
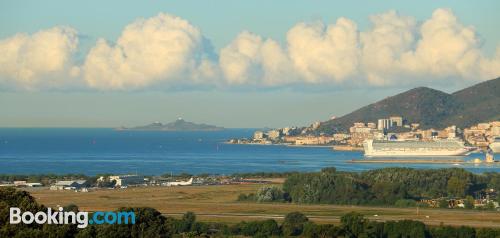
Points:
[[249, 59], [315, 53], [382, 46], [397, 51], [149, 51], [490, 68], [167, 51], [40, 60], [445, 48], [324, 53]]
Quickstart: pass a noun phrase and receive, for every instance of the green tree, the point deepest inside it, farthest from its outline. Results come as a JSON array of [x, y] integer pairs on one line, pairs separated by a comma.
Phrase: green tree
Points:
[[187, 221], [405, 203], [405, 228], [270, 194], [457, 187], [488, 233], [453, 232], [293, 224], [443, 203], [353, 224], [469, 202]]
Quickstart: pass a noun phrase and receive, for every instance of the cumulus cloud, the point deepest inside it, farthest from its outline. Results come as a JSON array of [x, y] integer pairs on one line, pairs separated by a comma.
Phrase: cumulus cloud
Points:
[[395, 50], [390, 36], [249, 59], [160, 49], [167, 51], [445, 48], [40, 60], [324, 53], [315, 53], [490, 68]]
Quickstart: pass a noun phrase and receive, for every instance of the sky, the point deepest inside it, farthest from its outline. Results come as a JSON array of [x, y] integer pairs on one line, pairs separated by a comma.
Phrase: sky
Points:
[[232, 63]]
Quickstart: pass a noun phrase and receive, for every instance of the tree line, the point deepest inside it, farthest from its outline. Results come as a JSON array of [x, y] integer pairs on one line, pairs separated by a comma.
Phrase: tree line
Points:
[[150, 223], [387, 186]]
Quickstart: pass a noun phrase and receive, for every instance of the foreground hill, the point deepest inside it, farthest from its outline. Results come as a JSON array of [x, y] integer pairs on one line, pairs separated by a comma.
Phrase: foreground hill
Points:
[[429, 107], [178, 125]]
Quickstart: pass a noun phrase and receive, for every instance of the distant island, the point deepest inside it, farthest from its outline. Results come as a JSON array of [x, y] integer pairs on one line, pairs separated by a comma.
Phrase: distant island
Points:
[[178, 125]]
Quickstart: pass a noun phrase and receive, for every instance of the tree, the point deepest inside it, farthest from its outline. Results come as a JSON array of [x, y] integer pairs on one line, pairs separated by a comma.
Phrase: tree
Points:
[[404, 228], [405, 203], [453, 232], [321, 230], [494, 182], [269, 228], [353, 224], [270, 194], [469, 202], [457, 187], [187, 221], [443, 203], [293, 224]]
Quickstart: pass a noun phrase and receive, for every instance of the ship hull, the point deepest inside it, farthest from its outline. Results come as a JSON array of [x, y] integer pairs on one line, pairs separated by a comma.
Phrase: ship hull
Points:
[[413, 149], [416, 153]]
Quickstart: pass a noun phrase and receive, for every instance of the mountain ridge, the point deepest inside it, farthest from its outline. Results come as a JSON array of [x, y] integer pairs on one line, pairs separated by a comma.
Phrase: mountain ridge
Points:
[[430, 107]]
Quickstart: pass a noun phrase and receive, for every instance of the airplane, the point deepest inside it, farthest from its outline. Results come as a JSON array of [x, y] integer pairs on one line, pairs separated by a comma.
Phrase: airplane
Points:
[[180, 183]]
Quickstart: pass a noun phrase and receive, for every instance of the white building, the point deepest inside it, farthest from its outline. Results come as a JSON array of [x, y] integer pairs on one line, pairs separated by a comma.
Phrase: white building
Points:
[[258, 135], [383, 124], [396, 121], [274, 134]]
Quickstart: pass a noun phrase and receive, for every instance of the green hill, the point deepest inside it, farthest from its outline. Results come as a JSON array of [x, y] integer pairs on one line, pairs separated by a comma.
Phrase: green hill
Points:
[[429, 107]]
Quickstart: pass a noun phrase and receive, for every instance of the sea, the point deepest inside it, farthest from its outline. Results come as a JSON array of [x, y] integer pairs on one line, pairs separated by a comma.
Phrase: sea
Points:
[[108, 151]]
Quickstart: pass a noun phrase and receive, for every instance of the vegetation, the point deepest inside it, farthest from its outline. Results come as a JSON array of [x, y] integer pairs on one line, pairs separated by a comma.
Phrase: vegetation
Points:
[[266, 194], [401, 187], [150, 223]]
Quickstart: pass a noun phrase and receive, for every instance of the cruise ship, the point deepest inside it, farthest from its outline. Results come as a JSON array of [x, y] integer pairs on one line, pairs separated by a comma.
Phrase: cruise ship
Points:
[[413, 148], [495, 145]]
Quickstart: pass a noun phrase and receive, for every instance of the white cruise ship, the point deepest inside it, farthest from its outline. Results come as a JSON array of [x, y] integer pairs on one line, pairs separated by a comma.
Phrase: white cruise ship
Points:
[[495, 145], [411, 148]]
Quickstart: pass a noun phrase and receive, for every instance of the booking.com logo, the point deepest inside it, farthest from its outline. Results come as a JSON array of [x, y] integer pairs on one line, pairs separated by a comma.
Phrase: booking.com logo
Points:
[[68, 217]]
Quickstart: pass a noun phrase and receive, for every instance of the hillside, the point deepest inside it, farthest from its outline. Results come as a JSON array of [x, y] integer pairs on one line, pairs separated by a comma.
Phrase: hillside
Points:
[[429, 107], [482, 103]]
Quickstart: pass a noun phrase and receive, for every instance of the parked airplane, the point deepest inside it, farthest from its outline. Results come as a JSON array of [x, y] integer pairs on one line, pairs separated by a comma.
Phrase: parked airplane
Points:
[[180, 183]]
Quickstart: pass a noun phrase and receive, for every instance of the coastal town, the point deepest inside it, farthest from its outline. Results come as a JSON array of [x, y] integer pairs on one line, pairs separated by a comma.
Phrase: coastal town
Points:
[[479, 136]]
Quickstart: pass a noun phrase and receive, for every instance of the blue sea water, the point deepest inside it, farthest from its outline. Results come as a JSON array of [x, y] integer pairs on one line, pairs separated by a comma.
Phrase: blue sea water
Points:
[[97, 151]]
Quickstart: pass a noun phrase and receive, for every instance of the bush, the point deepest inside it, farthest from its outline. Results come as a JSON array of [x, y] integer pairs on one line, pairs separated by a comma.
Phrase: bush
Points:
[[405, 228], [247, 197], [270, 194], [405, 203], [293, 224]]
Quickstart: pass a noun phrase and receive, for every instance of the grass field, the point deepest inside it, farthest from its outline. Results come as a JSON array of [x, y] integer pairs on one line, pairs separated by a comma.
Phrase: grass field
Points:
[[218, 203]]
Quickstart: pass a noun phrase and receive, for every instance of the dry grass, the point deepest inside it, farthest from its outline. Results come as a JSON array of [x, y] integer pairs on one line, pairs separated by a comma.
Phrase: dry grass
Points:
[[218, 203]]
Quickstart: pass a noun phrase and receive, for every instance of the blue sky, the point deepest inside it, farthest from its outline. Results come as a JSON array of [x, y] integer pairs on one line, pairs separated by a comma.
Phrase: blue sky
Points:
[[295, 92]]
